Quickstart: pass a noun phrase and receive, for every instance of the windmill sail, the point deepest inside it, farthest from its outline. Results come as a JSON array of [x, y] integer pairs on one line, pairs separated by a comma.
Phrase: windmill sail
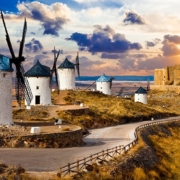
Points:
[[111, 79], [77, 65], [54, 70], [21, 83]]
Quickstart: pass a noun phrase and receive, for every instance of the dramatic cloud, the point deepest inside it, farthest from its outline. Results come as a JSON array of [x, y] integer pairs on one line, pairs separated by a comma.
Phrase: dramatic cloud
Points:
[[52, 18], [170, 47], [103, 40], [133, 18], [33, 46], [174, 39]]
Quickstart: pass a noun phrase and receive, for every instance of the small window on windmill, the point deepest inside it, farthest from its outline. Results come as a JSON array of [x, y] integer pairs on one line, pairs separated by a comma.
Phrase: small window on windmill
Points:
[[4, 74], [101, 87], [37, 87]]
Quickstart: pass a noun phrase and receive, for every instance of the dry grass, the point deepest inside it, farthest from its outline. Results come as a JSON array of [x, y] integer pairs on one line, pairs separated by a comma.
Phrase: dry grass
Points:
[[109, 110]]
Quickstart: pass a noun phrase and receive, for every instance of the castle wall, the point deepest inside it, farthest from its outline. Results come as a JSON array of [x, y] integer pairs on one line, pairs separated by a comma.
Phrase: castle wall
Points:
[[166, 88], [160, 76]]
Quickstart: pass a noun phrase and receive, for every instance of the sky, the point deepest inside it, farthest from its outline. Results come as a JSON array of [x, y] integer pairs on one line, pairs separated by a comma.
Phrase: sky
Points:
[[115, 37]]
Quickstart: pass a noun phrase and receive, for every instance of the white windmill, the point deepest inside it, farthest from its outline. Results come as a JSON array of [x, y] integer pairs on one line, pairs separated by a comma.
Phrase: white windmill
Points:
[[104, 84], [22, 88], [39, 77], [141, 95], [66, 74]]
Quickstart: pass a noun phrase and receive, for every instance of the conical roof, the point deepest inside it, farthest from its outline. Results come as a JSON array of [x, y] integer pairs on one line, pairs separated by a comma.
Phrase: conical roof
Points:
[[141, 91], [103, 78], [5, 64], [38, 70], [66, 64]]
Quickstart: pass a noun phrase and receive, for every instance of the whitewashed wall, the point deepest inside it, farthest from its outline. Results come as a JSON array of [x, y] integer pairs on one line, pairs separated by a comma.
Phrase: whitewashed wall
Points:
[[103, 87], [44, 90], [5, 98], [140, 98], [66, 79]]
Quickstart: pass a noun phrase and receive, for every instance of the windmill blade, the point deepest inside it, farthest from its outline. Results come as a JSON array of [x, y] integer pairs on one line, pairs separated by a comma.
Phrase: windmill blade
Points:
[[57, 84], [19, 90], [77, 65], [111, 79], [23, 38], [27, 90], [7, 37], [54, 69]]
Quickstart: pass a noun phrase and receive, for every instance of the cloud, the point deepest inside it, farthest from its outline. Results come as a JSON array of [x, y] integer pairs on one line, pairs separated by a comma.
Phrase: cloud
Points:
[[133, 18], [103, 40], [150, 44], [52, 18], [170, 47], [33, 46], [172, 38]]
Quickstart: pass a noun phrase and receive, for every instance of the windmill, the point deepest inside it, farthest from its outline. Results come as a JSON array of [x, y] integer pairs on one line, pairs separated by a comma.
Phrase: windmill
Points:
[[21, 83], [54, 70]]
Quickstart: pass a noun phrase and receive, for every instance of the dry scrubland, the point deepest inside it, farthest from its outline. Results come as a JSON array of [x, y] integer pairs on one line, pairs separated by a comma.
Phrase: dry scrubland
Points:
[[110, 110]]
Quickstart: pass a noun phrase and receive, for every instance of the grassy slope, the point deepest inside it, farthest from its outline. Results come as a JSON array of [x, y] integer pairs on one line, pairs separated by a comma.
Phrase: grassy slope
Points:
[[109, 110]]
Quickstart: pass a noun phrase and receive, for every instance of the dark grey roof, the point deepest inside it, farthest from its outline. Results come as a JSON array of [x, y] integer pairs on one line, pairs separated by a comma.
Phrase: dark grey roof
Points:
[[38, 70], [5, 64], [141, 91], [66, 64]]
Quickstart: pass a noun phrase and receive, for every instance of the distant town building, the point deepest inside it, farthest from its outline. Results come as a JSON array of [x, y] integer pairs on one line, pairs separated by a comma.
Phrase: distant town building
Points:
[[141, 95], [39, 80], [66, 75], [103, 84], [5, 91]]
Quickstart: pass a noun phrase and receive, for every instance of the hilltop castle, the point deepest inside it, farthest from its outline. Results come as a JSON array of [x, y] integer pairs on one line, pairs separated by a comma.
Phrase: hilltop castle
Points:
[[167, 78]]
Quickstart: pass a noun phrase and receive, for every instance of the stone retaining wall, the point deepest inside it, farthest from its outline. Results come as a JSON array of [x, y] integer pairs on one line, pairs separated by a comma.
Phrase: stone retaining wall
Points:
[[54, 140]]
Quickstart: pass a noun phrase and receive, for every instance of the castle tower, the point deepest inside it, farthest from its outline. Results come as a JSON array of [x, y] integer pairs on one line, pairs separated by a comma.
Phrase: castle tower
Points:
[[5, 91], [141, 95], [66, 75], [39, 82], [103, 84]]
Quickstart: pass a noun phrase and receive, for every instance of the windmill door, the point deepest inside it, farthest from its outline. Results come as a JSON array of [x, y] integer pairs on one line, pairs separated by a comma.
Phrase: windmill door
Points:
[[37, 99]]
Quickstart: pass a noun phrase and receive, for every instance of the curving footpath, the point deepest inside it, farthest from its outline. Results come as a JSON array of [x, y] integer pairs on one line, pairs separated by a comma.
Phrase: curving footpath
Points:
[[45, 160]]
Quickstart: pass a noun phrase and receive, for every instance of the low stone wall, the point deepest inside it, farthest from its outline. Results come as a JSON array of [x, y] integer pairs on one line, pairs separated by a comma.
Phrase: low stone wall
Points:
[[166, 88], [54, 140]]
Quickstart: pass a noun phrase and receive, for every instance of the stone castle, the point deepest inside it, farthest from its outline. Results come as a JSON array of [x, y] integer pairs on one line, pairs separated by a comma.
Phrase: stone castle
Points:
[[167, 78]]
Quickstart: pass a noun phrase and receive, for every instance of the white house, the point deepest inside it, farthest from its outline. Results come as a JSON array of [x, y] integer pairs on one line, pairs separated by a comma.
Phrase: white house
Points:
[[39, 81], [141, 95], [66, 75], [103, 84], [5, 91]]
